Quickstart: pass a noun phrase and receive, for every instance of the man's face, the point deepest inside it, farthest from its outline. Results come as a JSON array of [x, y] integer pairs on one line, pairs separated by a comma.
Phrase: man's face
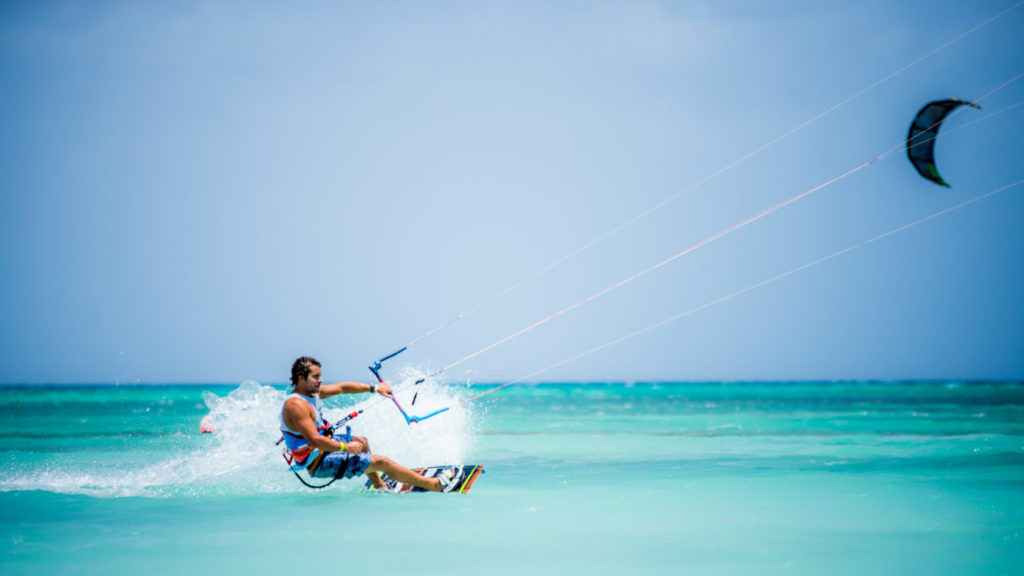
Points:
[[312, 382]]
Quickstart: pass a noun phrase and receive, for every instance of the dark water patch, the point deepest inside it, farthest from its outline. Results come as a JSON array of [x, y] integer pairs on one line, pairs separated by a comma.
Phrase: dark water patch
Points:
[[780, 393], [100, 408], [930, 434], [934, 466], [95, 434]]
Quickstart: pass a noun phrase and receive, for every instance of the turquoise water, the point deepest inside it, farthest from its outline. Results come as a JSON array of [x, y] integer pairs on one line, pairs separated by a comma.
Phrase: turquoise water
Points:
[[712, 478]]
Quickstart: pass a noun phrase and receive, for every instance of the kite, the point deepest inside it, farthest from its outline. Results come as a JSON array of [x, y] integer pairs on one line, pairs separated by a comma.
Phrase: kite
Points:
[[923, 132]]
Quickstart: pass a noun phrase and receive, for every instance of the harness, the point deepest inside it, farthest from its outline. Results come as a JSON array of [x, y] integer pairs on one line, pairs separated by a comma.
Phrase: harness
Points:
[[300, 455], [308, 457]]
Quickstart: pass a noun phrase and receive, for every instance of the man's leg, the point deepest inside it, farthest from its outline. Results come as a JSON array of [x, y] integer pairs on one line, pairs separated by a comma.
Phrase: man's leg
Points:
[[376, 480], [400, 473], [361, 444]]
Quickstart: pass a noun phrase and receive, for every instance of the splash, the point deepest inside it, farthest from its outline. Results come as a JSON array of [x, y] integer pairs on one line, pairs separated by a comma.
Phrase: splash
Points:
[[243, 458], [445, 439]]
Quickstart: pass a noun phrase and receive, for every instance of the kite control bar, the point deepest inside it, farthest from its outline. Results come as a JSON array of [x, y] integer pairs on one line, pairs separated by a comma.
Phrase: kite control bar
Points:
[[409, 420], [375, 367]]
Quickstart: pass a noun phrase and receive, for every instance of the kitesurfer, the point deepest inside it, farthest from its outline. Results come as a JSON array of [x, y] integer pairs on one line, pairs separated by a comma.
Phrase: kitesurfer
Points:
[[308, 435]]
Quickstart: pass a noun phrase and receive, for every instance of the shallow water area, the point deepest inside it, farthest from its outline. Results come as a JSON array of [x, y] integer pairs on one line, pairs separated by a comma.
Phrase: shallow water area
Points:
[[707, 478]]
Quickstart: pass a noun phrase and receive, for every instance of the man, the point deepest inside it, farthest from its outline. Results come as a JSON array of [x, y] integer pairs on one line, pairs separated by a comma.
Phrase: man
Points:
[[304, 428]]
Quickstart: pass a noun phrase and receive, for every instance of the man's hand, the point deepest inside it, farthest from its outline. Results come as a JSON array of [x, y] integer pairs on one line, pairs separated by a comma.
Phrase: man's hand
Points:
[[384, 389]]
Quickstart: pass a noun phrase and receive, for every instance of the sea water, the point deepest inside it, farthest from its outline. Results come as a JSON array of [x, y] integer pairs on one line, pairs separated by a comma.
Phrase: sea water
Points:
[[645, 478]]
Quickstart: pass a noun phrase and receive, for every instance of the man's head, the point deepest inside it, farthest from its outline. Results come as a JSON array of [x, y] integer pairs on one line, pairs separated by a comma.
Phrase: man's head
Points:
[[306, 375]]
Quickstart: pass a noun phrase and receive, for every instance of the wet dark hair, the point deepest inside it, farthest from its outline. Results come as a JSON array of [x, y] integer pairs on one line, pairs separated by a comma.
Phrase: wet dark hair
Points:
[[302, 367]]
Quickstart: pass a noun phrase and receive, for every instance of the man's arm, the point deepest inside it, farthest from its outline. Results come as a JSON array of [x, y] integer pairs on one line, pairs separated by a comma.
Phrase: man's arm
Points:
[[327, 390], [297, 416]]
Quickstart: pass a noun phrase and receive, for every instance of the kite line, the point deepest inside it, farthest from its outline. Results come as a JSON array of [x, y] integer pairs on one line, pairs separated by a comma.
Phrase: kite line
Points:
[[705, 180], [716, 236], [742, 291], [722, 233]]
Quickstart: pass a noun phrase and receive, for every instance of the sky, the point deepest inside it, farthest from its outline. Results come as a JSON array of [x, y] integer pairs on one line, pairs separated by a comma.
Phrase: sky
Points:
[[204, 191]]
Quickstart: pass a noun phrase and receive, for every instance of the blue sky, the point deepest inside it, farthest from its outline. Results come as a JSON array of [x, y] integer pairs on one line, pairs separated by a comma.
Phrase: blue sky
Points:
[[202, 191]]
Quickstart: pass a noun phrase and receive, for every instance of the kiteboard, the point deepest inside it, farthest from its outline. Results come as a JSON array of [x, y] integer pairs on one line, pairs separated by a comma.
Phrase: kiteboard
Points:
[[470, 472]]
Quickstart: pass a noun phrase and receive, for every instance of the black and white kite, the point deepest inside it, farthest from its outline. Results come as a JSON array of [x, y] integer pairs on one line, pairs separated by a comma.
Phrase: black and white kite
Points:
[[923, 132]]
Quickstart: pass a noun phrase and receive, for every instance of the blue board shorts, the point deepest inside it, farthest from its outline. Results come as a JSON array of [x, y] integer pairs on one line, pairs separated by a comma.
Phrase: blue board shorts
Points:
[[342, 465]]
